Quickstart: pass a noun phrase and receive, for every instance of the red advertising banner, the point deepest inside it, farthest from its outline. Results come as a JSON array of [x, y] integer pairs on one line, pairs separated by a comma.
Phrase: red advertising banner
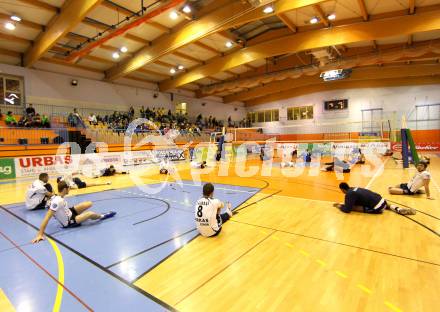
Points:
[[423, 147]]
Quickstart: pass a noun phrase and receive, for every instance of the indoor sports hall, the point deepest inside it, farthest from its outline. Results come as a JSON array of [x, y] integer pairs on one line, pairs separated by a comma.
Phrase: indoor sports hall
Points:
[[220, 155]]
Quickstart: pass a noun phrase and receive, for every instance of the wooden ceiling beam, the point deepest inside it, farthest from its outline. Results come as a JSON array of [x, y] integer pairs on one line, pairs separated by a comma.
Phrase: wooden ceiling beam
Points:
[[364, 11], [10, 53], [207, 47], [137, 39], [112, 6], [225, 17], [187, 57], [42, 5], [302, 41], [286, 21], [412, 6], [13, 38], [23, 22], [152, 72], [321, 15], [71, 14]]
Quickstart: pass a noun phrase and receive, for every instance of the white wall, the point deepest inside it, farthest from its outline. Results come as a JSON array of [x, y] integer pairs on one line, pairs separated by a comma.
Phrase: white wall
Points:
[[50, 88], [394, 101]]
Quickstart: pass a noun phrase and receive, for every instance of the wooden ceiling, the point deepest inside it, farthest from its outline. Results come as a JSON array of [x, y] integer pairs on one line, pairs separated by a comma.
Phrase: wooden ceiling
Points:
[[84, 34]]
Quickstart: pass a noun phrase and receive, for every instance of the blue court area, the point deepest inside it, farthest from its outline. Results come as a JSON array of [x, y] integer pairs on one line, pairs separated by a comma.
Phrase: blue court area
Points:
[[101, 259]]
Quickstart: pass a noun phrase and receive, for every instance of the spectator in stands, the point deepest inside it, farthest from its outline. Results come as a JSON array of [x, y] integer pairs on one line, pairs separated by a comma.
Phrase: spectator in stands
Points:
[[131, 112], [142, 112], [45, 123], [1, 115], [75, 119], [92, 119], [10, 119], [35, 121], [30, 111]]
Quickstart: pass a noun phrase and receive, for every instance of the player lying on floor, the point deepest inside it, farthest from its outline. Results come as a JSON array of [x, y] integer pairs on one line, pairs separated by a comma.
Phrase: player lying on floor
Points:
[[68, 217], [338, 165], [77, 183], [39, 193], [421, 179], [109, 171], [208, 216], [364, 200]]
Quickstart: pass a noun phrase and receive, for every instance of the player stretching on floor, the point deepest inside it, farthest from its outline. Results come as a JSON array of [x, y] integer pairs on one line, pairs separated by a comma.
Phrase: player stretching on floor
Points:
[[39, 193], [208, 218], [363, 200], [77, 183], [68, 217]]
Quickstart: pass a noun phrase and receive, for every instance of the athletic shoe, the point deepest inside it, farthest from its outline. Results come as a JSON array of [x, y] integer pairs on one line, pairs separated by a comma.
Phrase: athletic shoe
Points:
[[109, 183], [108, 215], [403, 211]]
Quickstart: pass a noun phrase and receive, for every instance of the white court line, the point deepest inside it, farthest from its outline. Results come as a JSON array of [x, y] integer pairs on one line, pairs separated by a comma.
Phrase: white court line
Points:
[[378, 172]]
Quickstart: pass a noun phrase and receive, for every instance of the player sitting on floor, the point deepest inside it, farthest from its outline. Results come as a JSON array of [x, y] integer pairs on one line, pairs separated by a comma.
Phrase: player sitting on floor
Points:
[[419, 180], [363, 200], [208, 216], [198, 165], [290, 163], [68, 217], [360, 157], [165, 166], [77, 183], [39, 193]]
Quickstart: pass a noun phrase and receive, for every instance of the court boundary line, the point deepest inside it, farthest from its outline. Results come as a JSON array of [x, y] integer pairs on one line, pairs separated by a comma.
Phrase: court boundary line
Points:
[[337, 243], [225, 268], [149, 248], [97, 265], [57, 281]]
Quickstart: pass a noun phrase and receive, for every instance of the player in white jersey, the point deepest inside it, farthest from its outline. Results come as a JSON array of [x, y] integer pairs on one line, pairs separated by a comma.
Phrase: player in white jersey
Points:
[[38, 193], [208, 216], [419, 180], [68, 217]]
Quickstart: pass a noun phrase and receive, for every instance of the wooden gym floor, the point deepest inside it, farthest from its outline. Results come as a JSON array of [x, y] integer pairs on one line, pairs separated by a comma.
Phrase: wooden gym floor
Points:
[[288, 249]]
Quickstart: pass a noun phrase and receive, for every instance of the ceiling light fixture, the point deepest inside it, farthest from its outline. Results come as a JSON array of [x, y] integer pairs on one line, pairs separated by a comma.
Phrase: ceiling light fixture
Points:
[[124, 49], [268, 9], [174, 15], [314, 20], [186, 9], [16, 18], [172, 71], [9, 25], [331, 17], [115, 55], [180, 67], [229, 44]]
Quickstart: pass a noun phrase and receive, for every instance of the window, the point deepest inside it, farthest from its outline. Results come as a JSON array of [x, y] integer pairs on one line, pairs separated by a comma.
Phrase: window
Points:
[[264, 116], [11, 90], [300, 113], [181, 108]]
